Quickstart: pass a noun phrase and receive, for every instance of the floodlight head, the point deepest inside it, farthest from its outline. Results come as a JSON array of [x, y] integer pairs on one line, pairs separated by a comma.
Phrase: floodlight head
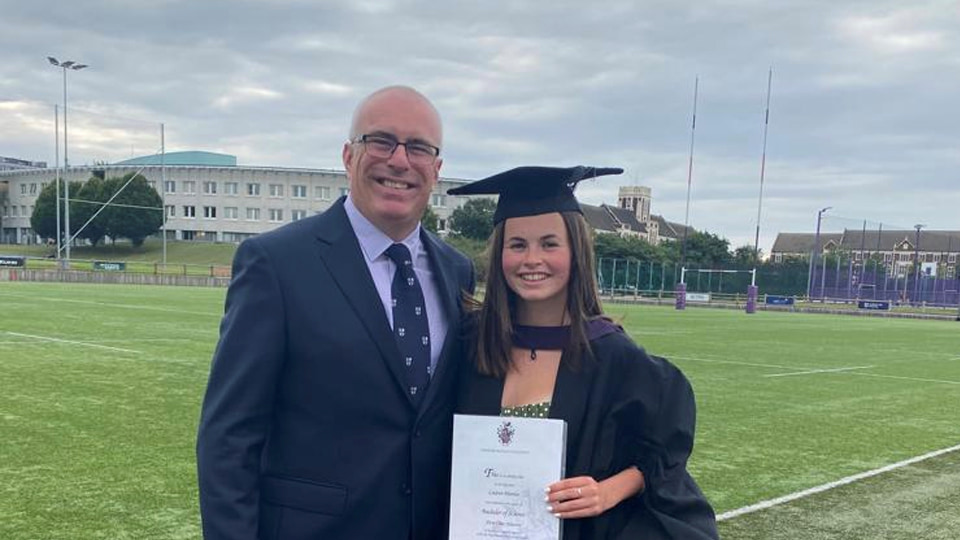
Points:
[[68, 63], [53, 61], [79, 66]]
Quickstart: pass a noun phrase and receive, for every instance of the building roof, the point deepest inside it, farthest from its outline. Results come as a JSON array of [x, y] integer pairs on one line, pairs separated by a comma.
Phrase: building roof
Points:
[[625, 217], [671, 229], [803, 242], [598, 218], [943, 241], [190, 157]]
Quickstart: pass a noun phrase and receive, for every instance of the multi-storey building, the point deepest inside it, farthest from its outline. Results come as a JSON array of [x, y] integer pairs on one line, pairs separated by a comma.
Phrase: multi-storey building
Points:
[[206, 196]]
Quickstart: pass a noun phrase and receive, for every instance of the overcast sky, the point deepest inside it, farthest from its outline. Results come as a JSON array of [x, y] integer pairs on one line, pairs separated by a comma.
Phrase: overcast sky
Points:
[[863, 112]]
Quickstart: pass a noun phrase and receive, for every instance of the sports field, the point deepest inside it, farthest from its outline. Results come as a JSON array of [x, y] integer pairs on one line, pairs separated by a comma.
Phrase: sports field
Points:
[[100, 389]]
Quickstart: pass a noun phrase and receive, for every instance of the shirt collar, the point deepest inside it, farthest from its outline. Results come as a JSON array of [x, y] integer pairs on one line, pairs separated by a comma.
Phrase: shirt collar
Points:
[[373, 242]]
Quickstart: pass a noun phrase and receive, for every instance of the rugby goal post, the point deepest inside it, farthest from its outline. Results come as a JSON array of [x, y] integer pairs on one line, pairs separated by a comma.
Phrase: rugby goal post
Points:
[[682, 294]]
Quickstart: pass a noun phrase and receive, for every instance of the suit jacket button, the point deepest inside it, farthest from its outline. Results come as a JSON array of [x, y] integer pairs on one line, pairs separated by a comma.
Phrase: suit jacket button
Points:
[[405, 489], [416, 434]]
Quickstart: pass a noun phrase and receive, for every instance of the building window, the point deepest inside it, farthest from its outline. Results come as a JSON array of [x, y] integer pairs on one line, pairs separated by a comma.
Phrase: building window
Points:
[[33, 188], [276, 190], [952, 258], [170, 210], [210, 188], [344, 191], [253, 214], [16, 212], [888, 257], [778, 258], [189, 187], [253, 189], [170, 186], [276, 214], [210, 212], [23, 211], [299, 192], [441, 224], [322, 193], [296, 215], [230, 212], [23, 189], [6, 211], [230, 188], [189, 211]]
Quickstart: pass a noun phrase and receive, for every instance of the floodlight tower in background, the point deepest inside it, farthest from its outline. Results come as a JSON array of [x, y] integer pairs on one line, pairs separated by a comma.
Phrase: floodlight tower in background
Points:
[[75, 66], [814, 252]]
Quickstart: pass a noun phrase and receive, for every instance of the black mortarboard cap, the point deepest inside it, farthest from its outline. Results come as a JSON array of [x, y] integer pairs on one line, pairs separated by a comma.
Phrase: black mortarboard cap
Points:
[[531, 191]]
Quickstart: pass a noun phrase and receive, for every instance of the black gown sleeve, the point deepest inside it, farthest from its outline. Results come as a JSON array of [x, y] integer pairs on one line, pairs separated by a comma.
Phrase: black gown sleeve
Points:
[[656, 417]]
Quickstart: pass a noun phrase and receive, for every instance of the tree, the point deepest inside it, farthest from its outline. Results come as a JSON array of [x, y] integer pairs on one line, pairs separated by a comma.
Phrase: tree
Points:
[[142, 213], [43, 221], [474, 219], [746, 257], [89, 196], [430, 220], [630, 247], [704, 250]]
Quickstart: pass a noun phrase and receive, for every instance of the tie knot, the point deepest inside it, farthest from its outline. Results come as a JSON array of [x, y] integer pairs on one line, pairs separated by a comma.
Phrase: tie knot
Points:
[[399, 254]]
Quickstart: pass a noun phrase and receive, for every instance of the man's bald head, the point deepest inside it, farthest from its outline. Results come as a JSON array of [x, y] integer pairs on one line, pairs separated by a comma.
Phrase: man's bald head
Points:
[[401, 93]]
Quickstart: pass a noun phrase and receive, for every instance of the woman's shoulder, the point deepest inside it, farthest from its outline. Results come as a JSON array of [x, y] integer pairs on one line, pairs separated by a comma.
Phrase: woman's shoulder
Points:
[[620, 350]]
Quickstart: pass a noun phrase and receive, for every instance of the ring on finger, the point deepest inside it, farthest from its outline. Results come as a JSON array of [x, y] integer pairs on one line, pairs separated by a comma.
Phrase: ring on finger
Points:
[[579, 492]]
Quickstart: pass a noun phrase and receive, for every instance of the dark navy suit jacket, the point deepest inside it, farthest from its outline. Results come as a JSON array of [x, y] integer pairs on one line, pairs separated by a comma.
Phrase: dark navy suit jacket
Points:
[[306, 430]]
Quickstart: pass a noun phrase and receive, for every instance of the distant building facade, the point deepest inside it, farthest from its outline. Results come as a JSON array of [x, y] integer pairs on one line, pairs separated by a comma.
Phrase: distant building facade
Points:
[[206, 196], [631, 217], [897, 250]]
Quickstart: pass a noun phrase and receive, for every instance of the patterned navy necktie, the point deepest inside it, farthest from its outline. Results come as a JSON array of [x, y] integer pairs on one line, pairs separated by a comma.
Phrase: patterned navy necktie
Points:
[[410, 326]]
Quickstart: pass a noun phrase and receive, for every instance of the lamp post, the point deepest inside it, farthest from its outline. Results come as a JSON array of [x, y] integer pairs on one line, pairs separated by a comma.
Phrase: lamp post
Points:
[[916, 263], [814, 252], [75, 66]]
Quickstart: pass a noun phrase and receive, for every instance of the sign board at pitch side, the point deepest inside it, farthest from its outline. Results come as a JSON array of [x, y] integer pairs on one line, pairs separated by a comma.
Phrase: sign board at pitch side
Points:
[[105, 266], [12, 260], [873, 304]]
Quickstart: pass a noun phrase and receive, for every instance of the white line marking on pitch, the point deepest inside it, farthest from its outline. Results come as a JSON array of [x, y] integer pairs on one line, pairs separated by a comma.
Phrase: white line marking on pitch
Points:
[[774, 366], [763, 505], [918, 379], [813, 371], [124, 306], [58, 340]]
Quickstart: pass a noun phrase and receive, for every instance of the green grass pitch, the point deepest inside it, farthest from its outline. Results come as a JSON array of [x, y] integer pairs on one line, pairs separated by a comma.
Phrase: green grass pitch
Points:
[[100, 389]]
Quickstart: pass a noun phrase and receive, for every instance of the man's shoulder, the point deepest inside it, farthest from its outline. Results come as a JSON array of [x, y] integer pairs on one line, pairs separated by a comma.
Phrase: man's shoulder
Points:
[[319, 225]]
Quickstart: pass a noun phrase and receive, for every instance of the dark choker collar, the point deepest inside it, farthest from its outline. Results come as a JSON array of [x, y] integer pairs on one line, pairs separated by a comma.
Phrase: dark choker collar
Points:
[[554, 338], [551, 338]]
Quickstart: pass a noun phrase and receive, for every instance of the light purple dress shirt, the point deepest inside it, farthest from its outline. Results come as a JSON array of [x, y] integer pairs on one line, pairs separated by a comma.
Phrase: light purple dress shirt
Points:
[[373, 244]]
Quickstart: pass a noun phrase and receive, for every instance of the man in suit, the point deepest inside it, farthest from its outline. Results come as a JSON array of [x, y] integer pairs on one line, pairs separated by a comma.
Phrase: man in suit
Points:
[[314, 425]]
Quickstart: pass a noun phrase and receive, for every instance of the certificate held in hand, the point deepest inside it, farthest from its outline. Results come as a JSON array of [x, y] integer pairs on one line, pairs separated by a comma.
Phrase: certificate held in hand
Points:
[[501, 467]]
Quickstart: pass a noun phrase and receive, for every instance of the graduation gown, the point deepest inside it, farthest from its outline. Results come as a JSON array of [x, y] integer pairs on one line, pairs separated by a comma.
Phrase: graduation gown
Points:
[[623, 408]]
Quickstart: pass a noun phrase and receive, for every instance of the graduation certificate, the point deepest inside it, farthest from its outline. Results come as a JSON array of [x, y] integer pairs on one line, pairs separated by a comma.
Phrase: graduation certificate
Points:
[[501, 467]]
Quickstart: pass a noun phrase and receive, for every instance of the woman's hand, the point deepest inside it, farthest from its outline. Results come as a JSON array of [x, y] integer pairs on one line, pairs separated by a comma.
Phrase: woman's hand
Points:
[[582, 496]]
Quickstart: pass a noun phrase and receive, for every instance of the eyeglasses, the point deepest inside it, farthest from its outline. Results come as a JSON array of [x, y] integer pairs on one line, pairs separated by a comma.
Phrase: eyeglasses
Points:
[[381, 146]]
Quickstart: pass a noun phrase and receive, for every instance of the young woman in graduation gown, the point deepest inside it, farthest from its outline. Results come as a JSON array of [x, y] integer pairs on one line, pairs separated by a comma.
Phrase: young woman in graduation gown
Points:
[[541, 347]]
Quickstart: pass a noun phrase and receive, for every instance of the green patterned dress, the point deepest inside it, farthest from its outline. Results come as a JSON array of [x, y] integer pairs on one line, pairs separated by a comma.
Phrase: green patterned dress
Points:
[[531, 410]]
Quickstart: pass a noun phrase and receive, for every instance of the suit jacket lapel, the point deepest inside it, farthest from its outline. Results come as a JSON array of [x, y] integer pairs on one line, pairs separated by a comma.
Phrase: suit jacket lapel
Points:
[[341, 254]]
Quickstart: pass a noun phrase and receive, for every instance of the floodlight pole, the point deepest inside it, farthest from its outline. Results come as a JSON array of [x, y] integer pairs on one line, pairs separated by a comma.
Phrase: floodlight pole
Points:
[[56, 198], [69, 64], [814, 252]]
